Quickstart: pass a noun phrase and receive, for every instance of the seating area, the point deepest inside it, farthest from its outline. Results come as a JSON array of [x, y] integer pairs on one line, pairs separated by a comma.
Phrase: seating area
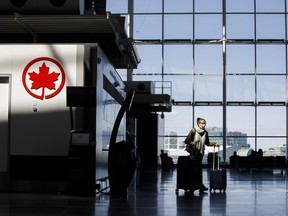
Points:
[[166, 161], [265, 162]]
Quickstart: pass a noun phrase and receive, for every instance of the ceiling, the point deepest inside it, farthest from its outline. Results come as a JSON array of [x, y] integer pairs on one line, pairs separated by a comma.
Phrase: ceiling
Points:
[[108, 30]]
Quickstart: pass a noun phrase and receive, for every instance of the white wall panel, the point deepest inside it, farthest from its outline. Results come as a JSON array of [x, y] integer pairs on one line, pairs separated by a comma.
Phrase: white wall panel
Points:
[[40, 127]]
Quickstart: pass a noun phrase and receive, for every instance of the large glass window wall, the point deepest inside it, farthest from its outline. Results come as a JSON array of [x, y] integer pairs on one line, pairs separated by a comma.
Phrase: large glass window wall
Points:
[[227, 62]]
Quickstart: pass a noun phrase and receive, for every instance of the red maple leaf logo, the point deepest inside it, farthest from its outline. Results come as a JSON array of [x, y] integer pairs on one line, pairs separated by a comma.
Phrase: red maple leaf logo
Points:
[[43, 79]]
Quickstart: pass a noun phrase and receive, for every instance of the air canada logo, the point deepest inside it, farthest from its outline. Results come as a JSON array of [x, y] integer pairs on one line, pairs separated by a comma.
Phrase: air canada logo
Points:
[[43, 77]]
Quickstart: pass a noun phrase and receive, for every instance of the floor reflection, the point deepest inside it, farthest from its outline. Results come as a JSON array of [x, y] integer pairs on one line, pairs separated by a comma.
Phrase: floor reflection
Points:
[[153, 194]]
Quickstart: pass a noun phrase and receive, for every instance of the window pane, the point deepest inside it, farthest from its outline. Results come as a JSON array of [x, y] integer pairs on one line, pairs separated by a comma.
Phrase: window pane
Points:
[[271, 63], [117, 6], [270, 26], [240, 88], [150, 59], [174, 6], [208, 26], [240, 26], [215, 134], [243, 125], [197, 68], [208, 88], [271, 88], [147, 27], [272, 146], [181, 87], [122, 73], [174, 64], [178, 26], [270, 6], [208, 59], [212, 114], [208, 6], [240, 59], [251, 142], [271, 121], [147, 6], [179, 121], [240, 6]]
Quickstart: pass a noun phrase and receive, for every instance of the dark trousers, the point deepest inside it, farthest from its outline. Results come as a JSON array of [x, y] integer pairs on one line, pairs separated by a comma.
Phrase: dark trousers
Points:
[[196, 155]]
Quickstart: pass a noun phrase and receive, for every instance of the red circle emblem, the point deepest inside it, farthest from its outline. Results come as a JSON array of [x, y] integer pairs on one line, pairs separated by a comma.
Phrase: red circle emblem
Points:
[[43, 77]]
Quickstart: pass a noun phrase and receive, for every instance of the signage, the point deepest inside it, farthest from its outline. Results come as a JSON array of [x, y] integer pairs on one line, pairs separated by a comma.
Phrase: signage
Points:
[[43, 77]]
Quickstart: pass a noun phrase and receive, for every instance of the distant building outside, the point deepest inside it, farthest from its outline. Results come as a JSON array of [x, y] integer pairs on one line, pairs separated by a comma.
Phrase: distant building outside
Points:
[[236, 140]]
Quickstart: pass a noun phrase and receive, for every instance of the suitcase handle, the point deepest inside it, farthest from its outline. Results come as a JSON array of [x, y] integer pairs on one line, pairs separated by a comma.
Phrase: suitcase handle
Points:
[[218, 165]]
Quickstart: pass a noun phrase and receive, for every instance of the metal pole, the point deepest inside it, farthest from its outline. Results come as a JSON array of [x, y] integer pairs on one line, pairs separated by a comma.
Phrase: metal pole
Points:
[[130, 28], [224, 77]]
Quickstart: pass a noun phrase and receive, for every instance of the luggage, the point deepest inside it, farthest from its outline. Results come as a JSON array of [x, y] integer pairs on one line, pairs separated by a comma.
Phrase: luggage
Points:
[[189, 174], [218, 176]]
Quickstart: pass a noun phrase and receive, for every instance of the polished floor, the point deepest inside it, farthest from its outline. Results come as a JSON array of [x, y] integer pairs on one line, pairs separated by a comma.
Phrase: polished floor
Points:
[[257, 193]]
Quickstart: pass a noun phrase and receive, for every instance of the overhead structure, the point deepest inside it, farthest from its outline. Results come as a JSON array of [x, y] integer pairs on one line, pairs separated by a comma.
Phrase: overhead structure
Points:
[[42, 6], [146, 99], [108, 30]]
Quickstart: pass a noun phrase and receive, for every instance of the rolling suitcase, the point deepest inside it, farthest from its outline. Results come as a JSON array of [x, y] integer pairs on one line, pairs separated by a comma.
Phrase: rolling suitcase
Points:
[[218, 176], [188, 173]]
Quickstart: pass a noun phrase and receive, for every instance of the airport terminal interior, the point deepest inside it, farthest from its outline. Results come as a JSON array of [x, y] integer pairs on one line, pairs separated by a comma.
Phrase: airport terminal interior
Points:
[[145, 70], [256, 193]]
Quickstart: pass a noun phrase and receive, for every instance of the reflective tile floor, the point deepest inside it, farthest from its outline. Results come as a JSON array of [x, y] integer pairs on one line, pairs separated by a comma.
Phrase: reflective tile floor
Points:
[[153, 194]]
